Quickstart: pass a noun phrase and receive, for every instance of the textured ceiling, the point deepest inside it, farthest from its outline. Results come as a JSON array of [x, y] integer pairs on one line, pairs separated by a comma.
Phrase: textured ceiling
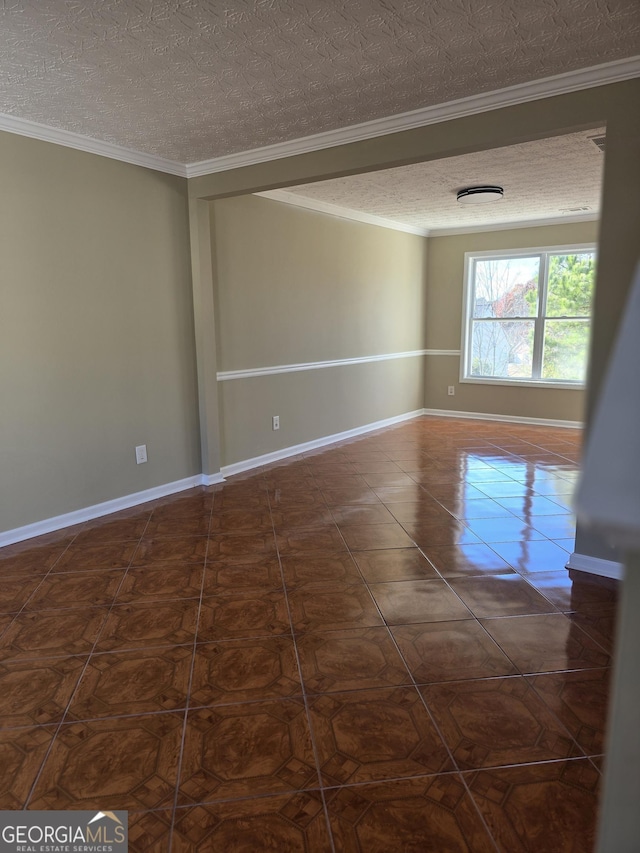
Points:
[[541, 180], [190, 80]]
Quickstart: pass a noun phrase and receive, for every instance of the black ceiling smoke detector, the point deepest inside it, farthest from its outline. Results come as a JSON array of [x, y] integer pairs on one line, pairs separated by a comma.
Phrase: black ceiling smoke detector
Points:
[[479, 195]]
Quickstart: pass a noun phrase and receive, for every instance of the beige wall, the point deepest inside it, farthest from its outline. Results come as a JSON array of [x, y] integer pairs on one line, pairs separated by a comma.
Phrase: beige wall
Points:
[[96, 331], [445, 283], [296, 286]]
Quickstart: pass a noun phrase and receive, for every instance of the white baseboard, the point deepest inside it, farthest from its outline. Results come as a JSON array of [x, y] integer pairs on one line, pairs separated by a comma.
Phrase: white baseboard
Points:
[[211, 479], [296, 449], [596, 566], [510, 419], [58, 522], [48, 525]]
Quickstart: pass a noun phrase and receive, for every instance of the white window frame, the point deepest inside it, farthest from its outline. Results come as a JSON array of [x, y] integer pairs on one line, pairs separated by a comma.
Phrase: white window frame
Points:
[[467, 318]]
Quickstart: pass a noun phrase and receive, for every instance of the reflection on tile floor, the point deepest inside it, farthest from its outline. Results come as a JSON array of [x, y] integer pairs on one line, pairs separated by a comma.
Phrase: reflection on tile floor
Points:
[[371, 647]]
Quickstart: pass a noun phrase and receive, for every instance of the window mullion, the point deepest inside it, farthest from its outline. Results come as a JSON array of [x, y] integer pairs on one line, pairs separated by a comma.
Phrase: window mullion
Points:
[[538, 334]]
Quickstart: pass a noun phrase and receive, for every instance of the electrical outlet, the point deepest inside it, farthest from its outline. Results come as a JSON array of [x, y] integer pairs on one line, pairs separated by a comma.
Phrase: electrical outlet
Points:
[[275, 422], [141, 454], [451, 390]]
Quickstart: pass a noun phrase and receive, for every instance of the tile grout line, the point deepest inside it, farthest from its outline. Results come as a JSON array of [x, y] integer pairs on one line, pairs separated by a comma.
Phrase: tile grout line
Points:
[[423, 702], [84, 669], [302, 684], [190, 682]]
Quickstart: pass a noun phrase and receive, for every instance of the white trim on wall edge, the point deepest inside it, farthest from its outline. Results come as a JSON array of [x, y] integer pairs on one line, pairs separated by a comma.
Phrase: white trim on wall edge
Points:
[[58, 522], [305, 447], [560, 84], [510, 419], [226, 375], [596, 566]]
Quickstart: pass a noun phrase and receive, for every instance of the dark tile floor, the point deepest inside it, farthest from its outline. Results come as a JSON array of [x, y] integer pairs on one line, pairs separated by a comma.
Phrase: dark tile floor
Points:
[[372, 648]]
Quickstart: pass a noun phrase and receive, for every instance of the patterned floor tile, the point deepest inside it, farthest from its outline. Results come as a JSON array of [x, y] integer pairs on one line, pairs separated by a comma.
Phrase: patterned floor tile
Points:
[[371, 537], [22, 752], [118, 763], [371, 735], [350, 660], [580, 700], [333, 608], [28, 560], [348, 516], [244, 670], [503, 529], [291, 822], [175, 549], [532, 556], [52, 633], [76, 589], [450, 651], [404, 602], [320, 569], [432, 814], [37, 692], [135, 682], [427, 534], [599, 622], [545, 643], [551, 806], [242, 575], [158, 582], [82, 558], [245, 750], [150, 832], [500, 595], [497, 721], [324, 540], [228, 546], [114, 528], [246, 614], [305, 517], [159, 528], [162, 623], [570, 590], [453, 561], [15, 592], [392, 564]]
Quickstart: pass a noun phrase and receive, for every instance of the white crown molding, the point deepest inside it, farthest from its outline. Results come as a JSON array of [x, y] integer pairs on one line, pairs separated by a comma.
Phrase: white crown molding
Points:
[[249, 373], [341, 212], [559, 84], [596, 566], [510, 226], [509, 419], [357, 216], [24, 127], [58, 522], [307, 446]]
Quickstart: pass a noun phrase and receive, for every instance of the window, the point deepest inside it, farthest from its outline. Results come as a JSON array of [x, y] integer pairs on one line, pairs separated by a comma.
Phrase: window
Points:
[[528, 315]]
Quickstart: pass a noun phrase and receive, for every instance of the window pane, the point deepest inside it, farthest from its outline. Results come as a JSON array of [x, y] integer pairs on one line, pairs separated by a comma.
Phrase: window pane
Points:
[[502, 349], [507, 287], [565, 349], [570, 285]]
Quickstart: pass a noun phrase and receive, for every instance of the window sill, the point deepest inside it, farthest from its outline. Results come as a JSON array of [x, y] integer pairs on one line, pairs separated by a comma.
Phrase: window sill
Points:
[[526, 383]]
